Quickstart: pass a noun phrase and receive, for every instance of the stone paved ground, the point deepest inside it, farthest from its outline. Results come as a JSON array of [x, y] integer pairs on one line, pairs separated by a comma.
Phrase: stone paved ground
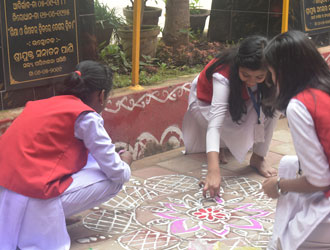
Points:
[[162, 206]]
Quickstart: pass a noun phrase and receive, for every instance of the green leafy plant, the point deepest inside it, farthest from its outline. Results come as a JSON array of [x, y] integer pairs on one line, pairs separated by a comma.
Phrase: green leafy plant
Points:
[[169, 63], [107, 16], [192, 35], [198, 52], [162, 66], [194, 7], [115, 58]]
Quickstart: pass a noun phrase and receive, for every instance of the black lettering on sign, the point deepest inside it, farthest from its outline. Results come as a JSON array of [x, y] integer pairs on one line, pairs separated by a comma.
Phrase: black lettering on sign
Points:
[[41, 39]]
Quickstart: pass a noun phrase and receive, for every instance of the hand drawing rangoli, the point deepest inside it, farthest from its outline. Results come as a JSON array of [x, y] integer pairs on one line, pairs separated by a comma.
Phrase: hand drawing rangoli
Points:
[[169, 212]]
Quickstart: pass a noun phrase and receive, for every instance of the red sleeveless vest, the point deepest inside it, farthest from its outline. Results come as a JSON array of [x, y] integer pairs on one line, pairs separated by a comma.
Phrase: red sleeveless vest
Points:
[[39, 151], [317, 103], [205, 86]]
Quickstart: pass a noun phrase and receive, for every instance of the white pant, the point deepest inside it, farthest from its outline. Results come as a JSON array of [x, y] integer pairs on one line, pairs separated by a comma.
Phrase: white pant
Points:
[[38, 224], [302, 221], [195, 126], [90, 187]]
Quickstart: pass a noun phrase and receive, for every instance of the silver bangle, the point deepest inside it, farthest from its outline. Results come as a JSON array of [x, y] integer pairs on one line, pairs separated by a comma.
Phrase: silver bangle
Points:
[[279, 190]]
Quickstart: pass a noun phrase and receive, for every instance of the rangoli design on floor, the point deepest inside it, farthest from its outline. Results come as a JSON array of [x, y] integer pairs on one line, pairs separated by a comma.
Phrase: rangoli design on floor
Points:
[[169, 212]]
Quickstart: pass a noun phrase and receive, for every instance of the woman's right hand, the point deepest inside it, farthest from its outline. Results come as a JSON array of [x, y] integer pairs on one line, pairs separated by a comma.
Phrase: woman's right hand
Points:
[[211, 184], [126, 157], [213, 178]]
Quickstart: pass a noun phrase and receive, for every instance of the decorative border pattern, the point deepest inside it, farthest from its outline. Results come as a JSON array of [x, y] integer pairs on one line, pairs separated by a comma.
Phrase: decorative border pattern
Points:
[[161, 96]]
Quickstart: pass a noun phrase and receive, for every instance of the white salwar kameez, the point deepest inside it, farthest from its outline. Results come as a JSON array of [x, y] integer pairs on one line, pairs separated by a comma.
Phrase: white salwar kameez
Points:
[[205, 125], [39, 224], [302, 220]]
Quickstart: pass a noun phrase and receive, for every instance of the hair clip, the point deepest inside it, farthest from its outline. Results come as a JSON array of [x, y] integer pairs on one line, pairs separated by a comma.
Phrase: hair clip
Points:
[[78, 72], [121, 151]]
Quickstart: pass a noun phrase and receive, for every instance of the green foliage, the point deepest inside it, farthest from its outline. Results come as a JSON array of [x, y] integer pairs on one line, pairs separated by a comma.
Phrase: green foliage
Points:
[[195, 35], [163, 73], [197, 52], [146, 78], [194, 4], [162, 67], [101, 11], [115, 58], [166, 73], [121, 81], [104, 13], [147, 60], [194, 7], [168, 64]]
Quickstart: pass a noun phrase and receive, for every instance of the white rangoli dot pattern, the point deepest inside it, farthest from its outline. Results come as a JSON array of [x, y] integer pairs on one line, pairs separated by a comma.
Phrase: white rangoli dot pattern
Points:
[[171, 183], [143, 216]]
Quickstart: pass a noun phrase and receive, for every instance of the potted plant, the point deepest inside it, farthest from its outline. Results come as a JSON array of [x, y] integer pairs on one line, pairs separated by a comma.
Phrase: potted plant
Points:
[[197, 16], [150, 15], [148, 33], [148, 39], [107, 22]]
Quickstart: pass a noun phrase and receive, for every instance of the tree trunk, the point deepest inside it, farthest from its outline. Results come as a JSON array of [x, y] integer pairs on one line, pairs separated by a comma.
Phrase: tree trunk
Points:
[[177, 23]]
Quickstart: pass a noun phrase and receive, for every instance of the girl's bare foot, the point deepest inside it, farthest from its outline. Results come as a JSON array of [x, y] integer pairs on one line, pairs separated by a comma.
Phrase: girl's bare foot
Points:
[[222, 155], [260, 164]]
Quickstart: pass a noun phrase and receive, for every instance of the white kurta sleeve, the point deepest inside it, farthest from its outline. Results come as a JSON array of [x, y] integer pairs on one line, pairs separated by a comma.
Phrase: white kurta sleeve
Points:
[[89, 128], [312, 158], [218, 112]]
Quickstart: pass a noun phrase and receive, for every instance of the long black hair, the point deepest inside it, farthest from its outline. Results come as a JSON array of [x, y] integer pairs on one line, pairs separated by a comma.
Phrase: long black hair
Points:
[[249, 54], [88, 77], [297, 64]]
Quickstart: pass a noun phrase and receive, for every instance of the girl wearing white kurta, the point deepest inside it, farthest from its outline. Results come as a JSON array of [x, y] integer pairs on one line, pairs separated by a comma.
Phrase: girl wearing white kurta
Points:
[[55, 185], [226, 109], [302, 219]]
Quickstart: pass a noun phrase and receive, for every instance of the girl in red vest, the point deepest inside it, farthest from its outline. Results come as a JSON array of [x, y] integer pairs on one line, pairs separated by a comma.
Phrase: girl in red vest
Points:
[[302, 77], [227, 109], [57, 160]]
